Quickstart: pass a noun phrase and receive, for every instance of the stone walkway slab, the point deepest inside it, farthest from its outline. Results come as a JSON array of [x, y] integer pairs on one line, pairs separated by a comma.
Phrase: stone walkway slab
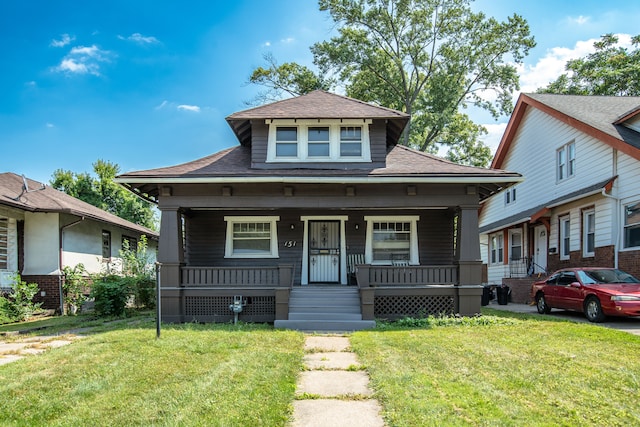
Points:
[[336, 413], [331, 360], [326, 343], [334, 383]]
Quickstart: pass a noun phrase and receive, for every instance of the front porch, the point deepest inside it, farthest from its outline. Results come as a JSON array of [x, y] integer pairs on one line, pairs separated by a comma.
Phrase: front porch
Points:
[[205, 294]]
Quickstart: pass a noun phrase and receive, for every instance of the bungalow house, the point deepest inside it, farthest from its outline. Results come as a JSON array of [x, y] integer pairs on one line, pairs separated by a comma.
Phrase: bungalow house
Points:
[[317, 196], [579, 204], [43, 230]]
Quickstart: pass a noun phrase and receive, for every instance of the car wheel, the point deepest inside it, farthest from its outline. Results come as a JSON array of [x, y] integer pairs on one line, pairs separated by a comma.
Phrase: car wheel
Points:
[[593, 310], [541, 304]]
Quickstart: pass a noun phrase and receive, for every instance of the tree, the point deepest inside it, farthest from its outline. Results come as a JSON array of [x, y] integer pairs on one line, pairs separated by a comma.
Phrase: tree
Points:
[[428, 58], [610, 70], [104, 193]]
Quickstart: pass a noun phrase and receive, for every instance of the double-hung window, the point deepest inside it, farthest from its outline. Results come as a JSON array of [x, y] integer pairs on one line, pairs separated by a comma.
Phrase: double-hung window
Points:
[[251, 237], [497, 248], [566, 161], [287, 141], [515, 242], [350, 141], [106, 244], [565, 237], [632, 225], [318, 142], [510, 196], [588, 233], [392, 240]]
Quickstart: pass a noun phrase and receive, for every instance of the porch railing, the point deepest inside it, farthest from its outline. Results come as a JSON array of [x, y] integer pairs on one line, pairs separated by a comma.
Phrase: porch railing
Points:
[[519, 267], [418, 275], [277, 276]]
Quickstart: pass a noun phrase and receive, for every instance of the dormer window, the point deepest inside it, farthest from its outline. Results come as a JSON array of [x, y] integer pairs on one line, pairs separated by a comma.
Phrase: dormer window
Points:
[[318, 141]]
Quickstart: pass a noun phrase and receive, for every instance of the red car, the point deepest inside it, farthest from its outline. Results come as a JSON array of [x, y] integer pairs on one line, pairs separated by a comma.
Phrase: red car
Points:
[[596, 292]]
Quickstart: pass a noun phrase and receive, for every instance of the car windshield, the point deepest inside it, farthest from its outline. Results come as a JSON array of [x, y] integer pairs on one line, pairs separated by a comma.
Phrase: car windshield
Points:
[[609, 275]]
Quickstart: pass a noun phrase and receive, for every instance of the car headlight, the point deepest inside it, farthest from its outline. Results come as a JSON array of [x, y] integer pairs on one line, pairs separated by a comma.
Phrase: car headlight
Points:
[[625, 298]]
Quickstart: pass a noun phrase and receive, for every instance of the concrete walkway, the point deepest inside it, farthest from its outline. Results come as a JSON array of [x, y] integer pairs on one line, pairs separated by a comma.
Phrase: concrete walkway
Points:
[[13, 350], [333, 390]]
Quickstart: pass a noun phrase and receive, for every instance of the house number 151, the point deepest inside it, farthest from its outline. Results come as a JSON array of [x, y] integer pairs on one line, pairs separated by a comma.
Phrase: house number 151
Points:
[[289, 243]]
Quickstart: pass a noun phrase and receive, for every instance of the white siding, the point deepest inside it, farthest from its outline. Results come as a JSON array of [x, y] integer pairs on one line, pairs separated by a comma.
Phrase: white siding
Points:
[[41, 243], [533, 154]]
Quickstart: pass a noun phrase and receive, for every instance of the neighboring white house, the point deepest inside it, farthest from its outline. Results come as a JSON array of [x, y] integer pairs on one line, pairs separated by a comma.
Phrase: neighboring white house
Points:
[[42, 230], [579, 204]]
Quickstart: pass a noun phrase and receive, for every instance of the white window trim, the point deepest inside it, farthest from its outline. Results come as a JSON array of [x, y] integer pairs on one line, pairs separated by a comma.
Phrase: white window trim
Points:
[[585, 233], [511, 234], [510, 196], [499, 258], [334, 140], [561, 232], [230, 220], [623, 209], [569, 164], [414, 256]]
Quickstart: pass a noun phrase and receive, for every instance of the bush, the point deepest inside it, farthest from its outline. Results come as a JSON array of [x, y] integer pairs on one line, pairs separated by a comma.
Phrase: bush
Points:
[[73, 288], [144, 291], [18, 305], [111, 294]]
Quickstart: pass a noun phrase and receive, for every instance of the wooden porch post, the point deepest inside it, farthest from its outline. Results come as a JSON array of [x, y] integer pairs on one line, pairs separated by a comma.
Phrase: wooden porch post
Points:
[[171, 256], [469, 261]]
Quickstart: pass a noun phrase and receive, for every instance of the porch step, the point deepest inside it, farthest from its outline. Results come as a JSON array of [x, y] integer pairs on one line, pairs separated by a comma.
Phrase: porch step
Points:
[[325, 309]]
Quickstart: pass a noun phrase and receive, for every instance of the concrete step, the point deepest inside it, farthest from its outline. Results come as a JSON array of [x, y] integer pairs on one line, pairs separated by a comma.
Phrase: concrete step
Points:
[[325, 316], [336, 311], [325, 325]]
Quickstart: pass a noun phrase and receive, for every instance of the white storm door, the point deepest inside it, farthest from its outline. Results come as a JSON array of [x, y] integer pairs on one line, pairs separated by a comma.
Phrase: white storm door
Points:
[[324, 251], [540, 255]]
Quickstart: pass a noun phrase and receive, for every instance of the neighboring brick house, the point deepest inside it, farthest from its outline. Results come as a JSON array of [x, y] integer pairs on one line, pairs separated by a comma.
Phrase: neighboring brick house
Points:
[[318, 195], [579, 204], [42, 230]]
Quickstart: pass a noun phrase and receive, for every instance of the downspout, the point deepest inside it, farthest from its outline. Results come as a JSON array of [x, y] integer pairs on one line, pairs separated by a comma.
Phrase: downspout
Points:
[[60, 259], [616, 210]]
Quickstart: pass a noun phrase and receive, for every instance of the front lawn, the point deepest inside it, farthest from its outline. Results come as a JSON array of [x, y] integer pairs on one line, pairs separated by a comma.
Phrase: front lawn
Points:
[[536, 371], [195, 375]]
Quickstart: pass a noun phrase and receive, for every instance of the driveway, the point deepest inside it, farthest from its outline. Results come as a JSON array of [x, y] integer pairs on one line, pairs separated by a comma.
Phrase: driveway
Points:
[[626, 324]]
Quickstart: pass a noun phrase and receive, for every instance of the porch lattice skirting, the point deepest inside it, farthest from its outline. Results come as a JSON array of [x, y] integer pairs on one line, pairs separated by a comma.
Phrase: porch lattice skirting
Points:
[[393, 307], [258, 308]]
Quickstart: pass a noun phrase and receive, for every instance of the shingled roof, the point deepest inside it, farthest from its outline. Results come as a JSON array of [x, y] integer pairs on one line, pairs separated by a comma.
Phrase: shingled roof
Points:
[[598, 116], [38, 197], [317, 105], [234, 165]]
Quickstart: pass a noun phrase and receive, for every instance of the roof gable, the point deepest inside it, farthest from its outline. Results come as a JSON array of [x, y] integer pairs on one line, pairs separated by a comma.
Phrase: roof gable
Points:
[[598, 116], [43, 198]]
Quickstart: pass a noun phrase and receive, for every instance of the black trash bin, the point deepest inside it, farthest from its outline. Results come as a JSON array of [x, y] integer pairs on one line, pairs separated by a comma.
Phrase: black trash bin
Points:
[[502, 295], [486, 295]]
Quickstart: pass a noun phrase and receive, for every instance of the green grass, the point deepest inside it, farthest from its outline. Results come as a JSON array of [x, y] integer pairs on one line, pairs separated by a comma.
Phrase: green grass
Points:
[[507, 370], [503, 369], [195, 375]]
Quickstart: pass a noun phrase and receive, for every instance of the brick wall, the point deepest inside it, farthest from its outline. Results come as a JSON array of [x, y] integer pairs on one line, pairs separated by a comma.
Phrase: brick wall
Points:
[[604, 257], [629, 261], [520, 289], [50, 284]]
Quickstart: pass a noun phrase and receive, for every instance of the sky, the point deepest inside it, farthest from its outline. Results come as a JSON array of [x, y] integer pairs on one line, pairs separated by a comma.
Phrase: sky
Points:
[[148, 83]]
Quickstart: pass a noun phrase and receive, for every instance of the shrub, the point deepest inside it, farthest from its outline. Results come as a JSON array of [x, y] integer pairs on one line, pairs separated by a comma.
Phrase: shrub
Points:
[[111, 294], [144, 292], [75, 283], [137, 267], [18, 305]]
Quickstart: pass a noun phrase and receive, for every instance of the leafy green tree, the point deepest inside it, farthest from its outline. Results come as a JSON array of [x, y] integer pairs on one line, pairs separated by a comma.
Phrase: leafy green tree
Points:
[[610, 70], [104, 193], [428, 58]]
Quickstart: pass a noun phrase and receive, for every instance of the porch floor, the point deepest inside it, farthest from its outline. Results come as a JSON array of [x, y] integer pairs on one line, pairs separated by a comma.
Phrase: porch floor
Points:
[[325, 308]]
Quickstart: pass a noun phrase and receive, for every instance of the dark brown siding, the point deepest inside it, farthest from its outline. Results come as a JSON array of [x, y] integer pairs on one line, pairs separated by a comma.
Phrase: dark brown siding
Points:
[[259, 137], [378, 141]]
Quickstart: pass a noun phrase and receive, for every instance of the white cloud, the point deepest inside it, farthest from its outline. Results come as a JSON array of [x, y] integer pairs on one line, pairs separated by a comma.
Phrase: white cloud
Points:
[[50, 125], [551, 66], [580, 20], [65, 39], [287, 40], [83, 60], [140, 39], [494, 135], [193, 108], [266, 44], [162, 105]]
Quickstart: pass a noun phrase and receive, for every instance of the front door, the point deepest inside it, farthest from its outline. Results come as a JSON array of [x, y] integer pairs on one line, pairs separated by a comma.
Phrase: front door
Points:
[[324, 251], [540, 248]]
